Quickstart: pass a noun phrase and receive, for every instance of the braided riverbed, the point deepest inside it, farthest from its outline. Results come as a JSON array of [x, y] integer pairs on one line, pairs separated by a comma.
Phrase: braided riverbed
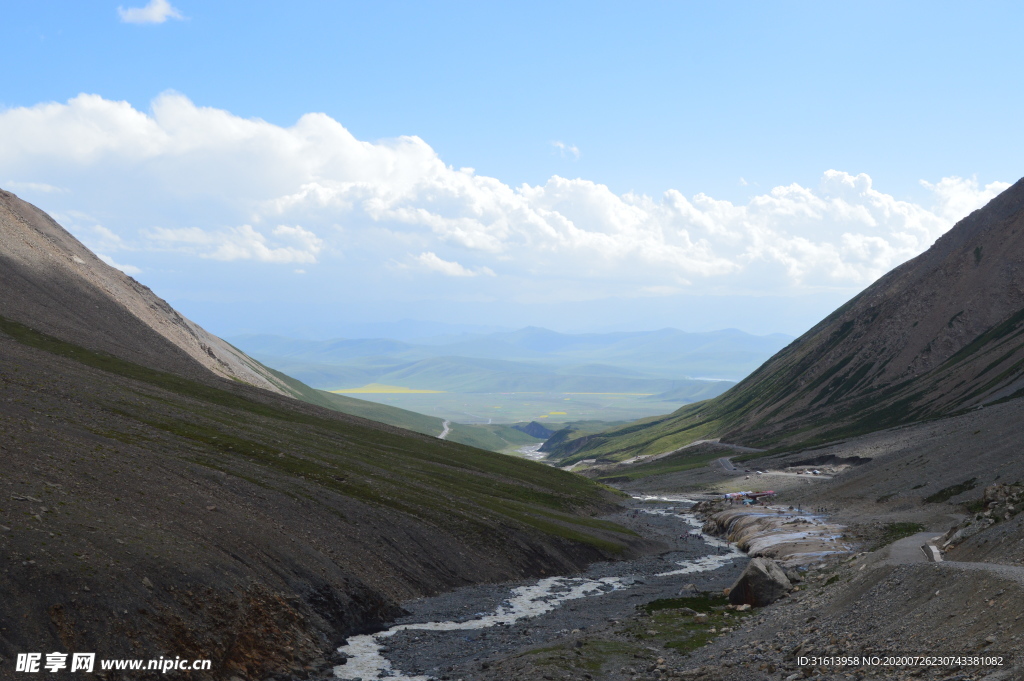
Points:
[[469, 625]]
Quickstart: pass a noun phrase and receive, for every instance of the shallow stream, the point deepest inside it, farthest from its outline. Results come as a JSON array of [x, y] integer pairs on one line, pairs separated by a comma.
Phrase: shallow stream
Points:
[[471, 623]]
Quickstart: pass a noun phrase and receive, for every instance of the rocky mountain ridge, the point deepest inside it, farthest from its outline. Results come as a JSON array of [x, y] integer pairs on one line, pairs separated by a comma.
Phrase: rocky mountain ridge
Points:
[[55, 284]]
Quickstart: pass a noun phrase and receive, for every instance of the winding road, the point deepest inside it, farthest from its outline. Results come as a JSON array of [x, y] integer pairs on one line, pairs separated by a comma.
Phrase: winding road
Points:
[[447, 429], [908, 550]]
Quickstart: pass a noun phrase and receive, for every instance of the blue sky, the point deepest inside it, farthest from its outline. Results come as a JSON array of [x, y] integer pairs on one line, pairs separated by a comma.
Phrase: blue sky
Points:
[[633, 166]]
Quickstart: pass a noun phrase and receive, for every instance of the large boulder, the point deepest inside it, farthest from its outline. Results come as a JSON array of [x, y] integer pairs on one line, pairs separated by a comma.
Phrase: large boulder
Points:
[[762, 583]]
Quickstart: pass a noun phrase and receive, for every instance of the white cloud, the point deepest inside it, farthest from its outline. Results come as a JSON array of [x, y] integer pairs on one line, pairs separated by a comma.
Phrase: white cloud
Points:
[[448, 268], [241, 243], [194, 170], [130, 270], [957, 196], [40, 187], [567, 150], [107, 238], [156, 12]]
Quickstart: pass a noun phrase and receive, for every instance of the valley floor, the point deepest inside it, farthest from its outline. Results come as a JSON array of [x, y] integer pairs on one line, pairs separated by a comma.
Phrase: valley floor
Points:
[[850, 613], [603, 632]]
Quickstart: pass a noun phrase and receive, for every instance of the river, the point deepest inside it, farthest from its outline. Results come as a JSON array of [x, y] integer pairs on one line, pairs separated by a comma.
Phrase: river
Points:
[[470, 624], [533, 451]]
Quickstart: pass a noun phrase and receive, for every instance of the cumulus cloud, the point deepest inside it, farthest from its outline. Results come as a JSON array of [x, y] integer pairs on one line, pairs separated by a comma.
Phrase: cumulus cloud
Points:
[[241, 243], [130, 270], [448, 268], [156, 12], [567, 150], [194, 170], [39, 187]]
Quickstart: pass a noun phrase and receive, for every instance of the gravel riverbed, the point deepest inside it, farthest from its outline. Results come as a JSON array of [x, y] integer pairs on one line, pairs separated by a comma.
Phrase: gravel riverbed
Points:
[[474, 633]]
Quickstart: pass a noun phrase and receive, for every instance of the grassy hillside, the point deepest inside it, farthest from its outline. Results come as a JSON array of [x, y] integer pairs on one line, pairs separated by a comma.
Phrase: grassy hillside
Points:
[[256, 518], [393, 416], [673, 463], [469, 461], [495, 438]]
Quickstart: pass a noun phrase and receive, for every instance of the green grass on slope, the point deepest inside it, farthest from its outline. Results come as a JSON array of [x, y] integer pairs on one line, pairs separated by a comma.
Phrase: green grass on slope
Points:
[[494, 437], [672, 463], [655, 435], [948, 493], [895, 531], [565, 437], [440, 482], [393, 416], [763, 407]]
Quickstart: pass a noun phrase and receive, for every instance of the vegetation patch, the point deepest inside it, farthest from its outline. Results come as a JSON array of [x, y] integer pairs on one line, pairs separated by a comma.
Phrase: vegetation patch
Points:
[[669, 464], [894, 532], [947, 493], [671, 621], [703, 603], [587, 655]]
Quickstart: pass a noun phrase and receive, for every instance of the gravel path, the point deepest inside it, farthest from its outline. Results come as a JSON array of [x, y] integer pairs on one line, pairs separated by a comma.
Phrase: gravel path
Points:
[[908, 549]]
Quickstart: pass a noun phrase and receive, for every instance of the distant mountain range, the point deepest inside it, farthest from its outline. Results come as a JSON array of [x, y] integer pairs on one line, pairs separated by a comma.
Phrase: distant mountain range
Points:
[[940, 334], [667, 363]]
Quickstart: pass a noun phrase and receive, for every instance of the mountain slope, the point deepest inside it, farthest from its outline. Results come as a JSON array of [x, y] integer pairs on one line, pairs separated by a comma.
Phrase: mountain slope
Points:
[[56, 285], [153, 507], [53, 282], [941, 333]]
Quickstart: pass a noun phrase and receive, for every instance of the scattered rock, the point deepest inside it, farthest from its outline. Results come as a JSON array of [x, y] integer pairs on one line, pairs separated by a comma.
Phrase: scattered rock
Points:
[[762, 583]]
